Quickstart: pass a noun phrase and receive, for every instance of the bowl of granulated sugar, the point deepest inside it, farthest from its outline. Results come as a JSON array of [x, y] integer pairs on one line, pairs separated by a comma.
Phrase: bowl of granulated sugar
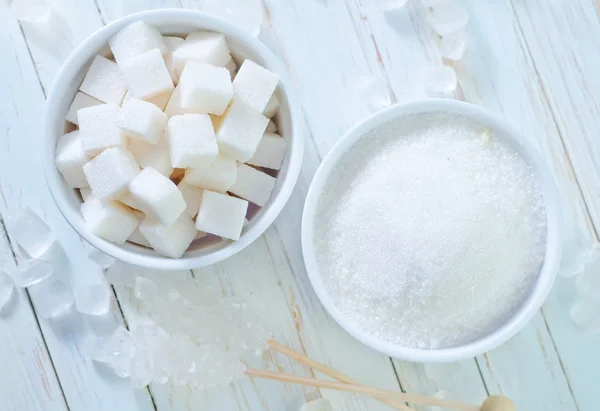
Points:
[[432, 231]]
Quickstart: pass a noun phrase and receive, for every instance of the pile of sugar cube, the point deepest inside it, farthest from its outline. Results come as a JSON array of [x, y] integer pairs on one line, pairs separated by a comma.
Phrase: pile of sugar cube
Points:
[[171, 143]]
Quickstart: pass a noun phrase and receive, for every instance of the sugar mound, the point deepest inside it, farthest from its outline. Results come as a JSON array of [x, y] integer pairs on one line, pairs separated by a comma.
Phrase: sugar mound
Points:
[[428, 238]]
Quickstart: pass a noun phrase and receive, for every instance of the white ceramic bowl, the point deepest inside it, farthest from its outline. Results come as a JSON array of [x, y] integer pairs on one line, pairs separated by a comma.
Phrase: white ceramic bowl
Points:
[[174, 22], [553, 245]]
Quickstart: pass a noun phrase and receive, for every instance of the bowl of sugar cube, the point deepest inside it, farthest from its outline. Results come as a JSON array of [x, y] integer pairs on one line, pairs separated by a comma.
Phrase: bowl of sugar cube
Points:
[[432, 231], [171, 139]]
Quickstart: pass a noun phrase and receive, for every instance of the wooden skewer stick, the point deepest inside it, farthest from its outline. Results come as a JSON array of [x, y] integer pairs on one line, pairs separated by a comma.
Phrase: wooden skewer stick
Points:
[[359, 389], [303, 359]]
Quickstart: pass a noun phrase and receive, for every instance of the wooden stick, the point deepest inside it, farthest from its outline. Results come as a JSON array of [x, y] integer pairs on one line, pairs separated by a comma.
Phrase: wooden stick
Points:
[[374, 392], [303, 359]]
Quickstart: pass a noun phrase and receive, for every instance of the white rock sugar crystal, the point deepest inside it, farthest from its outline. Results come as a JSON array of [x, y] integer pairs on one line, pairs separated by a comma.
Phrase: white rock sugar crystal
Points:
[[427, 238]]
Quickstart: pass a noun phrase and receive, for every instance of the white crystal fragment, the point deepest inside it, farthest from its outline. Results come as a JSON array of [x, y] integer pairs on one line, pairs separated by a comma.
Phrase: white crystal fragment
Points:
[[7, 289], [117, 352], [93, 299], [588, 281], [447, 18], [453, 46], [585, 313], [30, 232], [51, 297], [576, 253], [373, 91], [441, 80], [386, 5], [31, 272]]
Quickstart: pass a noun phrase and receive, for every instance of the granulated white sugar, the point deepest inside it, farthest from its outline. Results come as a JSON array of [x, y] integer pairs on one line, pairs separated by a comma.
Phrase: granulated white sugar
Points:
[[431, 232]]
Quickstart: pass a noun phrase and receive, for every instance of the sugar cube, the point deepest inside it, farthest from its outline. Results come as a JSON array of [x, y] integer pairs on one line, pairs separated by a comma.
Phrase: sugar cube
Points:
[[203, 46], [110, 220], [270, 152], [110, 173], [219, 176], [172, 43], [157, 196], [152, 155], [104, 81], [271, 127], [448, 18], [231, 67], [98, 129], [254, 85], [80, 101], [136, 237], [205, 88], [30, 232], [128, 200], [146, 75], [174, 105], [239, 131], [142, 121], [221, 215], [85, 192], [272, 107], [192, 196], [253, 185], [70, 159], [191, 140], [134, 39], [172, 240]]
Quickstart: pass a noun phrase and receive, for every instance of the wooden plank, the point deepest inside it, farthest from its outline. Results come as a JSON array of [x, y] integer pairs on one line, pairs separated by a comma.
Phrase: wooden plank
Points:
[[22, 184], [28, 381], [563, 42]]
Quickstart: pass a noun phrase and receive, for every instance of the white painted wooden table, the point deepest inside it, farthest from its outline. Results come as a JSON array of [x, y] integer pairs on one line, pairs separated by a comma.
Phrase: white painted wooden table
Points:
[[534, 62]]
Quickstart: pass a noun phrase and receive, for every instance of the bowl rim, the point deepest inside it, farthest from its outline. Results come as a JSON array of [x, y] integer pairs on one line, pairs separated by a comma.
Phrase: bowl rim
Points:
[[547, 274], [71, 69]]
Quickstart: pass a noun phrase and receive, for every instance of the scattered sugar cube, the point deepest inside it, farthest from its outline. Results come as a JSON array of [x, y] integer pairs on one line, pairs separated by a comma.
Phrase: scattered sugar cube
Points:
[[104, 81], [157, 196], [152, 155], [30, 272], [191, 140], [239, 131], [204, 47], [146, 75], [110, 173], [98, 129], [270, 152], [453, 46], [80, 101], [70, 159], [174, 105], [172, 240], [51, 297], [205, 88], [110, 220], [142, 121], [272, 107], [30, 232], [254, 85], [93, 299], [253, 185], [271, 127], [192, 196], [231, 67], [448, 18], [219, 176], [134, 39], [221, 215], [102, 260], [85, 192], [172, 44]]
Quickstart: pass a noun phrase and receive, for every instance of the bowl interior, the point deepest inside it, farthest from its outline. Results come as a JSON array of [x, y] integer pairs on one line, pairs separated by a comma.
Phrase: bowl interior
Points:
[[553, 240], [177, 23]]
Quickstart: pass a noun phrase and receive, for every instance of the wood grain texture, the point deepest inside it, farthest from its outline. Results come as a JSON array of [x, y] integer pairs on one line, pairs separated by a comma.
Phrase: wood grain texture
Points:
[[531, 62]]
